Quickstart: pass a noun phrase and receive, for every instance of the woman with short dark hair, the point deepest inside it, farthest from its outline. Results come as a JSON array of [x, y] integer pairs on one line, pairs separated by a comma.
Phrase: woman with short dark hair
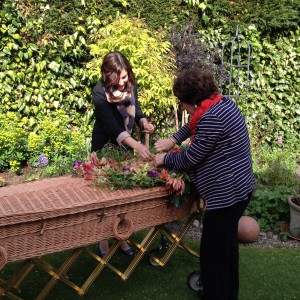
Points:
[[219, 163]]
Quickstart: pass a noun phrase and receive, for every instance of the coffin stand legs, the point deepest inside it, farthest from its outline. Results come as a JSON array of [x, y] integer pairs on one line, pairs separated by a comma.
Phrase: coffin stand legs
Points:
[[171, 241]]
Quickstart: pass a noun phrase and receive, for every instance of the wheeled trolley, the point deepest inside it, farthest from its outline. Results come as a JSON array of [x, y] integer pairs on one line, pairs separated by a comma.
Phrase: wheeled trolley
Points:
[[65, 213]]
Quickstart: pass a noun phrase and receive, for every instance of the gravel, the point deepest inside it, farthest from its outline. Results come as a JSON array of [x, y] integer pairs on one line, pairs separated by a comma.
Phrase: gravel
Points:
[[265, 239]]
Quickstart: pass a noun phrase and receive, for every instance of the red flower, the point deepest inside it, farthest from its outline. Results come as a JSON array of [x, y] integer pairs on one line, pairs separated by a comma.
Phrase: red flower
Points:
[[93, 159], [90, 172], [164, 174]]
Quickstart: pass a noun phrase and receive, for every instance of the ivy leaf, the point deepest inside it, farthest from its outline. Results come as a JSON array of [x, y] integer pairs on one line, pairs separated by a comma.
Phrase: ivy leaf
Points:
[[54, 66], [16, 36]]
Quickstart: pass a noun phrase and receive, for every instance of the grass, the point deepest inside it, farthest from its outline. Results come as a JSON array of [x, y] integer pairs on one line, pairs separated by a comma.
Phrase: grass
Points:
[[265, 273]]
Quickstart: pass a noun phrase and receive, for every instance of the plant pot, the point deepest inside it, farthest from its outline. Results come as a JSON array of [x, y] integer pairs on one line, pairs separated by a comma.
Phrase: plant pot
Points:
[[294, 202]]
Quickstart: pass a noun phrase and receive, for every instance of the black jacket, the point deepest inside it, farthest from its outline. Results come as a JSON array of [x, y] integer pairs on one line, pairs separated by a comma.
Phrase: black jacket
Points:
[[109, 122]]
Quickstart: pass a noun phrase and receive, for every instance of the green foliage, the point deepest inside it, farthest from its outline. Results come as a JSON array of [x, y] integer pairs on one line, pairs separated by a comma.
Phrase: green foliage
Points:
[[270, 101], [270, 16], [61, 144], [274, 169], [44, 69], [161, 14], [42, 73], [13, 142], [167, 126], [270, 207], [149, 55]]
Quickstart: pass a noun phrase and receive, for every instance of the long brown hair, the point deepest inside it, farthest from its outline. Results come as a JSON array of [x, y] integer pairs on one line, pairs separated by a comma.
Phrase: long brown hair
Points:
[[112, 66]]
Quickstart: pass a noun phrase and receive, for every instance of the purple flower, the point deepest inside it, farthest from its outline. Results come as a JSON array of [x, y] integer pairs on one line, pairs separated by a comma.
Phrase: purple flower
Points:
[[77, 164], [43, 159], [153, 173], [126, 169]]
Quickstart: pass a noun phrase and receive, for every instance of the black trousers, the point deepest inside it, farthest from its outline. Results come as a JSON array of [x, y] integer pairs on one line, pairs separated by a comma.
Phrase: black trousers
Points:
[[219, 252]]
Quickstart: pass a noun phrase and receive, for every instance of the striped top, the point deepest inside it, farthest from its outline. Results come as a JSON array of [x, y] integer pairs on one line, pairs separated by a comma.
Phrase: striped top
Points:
[[219, 160]]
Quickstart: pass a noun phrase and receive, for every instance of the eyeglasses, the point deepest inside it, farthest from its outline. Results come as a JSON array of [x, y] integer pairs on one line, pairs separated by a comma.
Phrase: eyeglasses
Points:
[[180, 103]]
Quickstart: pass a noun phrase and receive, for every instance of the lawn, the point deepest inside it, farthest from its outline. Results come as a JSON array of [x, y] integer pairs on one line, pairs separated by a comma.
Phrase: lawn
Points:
[[265, 273]]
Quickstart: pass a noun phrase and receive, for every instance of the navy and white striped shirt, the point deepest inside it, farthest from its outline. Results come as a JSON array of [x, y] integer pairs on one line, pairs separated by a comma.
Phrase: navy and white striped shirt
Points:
[[219, 160]]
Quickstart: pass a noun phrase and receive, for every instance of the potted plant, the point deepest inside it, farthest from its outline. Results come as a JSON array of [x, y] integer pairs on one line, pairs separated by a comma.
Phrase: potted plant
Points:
[[294, 202]]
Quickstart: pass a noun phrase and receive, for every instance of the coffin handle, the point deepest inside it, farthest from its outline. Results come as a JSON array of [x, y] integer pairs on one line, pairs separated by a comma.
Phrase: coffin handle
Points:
[[123, 236]]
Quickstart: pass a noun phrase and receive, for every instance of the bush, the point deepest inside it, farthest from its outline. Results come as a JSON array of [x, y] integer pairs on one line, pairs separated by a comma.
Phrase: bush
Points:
[[149, 55], [61, 144], [274, 169], [13, 142]]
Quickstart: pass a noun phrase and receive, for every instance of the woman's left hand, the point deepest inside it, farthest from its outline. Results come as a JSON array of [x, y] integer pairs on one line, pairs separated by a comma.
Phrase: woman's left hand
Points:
[[148, 128], [159, 159]]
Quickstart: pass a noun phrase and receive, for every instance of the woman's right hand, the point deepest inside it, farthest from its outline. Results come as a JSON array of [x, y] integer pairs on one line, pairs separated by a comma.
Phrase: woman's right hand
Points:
[[144, 152], [164, 145]]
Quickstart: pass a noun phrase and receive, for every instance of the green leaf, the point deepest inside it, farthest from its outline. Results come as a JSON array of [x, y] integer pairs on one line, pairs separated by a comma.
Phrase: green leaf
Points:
[[54, 66]]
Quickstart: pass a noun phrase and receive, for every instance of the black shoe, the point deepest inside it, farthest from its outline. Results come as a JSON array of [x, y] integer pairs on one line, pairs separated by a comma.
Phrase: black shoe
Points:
[[200, 292], [128, 252]]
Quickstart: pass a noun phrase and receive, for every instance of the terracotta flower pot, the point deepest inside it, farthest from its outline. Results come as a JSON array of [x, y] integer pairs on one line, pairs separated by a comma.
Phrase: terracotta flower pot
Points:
[[294, 202]]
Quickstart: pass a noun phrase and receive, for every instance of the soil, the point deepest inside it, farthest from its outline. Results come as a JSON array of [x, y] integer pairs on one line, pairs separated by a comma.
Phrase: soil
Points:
[[265, 239], [13, 178]]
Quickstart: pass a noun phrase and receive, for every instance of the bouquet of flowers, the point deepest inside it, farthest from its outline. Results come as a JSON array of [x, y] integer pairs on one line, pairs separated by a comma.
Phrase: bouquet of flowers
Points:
[[114, 169]]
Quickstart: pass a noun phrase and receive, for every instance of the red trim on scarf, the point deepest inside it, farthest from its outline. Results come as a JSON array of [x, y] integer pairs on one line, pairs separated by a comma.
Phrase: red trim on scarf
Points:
[[204, 106]]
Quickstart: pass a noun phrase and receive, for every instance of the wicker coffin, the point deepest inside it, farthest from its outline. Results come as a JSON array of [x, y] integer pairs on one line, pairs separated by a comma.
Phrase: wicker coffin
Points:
[[51, 215]]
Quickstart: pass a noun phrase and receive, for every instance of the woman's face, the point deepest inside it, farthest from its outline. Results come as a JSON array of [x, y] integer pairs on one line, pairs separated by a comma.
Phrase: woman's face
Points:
[[122, 80], [190, 108]]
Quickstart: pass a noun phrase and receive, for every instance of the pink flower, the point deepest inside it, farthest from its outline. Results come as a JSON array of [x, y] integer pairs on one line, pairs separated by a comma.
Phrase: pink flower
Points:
[[279, 140], [175, 185], [94, 159], [88, 171]]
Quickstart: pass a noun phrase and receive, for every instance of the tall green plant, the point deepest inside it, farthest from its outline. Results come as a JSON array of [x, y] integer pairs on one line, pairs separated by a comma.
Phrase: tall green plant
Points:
[[57, 140], [150, 57], [13, 142]]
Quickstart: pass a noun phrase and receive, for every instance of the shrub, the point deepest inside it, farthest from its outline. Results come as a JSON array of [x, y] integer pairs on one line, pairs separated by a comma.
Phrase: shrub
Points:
[[274, 169], [61, 144], [13, 142], [148, 53]]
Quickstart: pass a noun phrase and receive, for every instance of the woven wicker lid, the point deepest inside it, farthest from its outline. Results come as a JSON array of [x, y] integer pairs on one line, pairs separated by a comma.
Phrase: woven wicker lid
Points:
[[58, 196]]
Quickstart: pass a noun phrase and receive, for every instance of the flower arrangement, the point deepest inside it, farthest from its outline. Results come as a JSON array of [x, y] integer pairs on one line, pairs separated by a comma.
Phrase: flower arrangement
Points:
[[114, 169]]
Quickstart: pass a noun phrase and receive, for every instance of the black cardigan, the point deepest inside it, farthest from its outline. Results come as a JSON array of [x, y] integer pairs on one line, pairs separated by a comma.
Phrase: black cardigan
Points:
[[109, 122]]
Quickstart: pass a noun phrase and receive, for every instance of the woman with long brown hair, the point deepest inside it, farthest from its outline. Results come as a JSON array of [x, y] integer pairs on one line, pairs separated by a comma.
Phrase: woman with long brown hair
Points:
[[117, 110]]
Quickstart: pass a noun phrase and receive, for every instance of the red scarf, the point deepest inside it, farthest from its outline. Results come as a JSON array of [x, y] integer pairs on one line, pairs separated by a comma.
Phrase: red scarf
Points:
[[204, 106]]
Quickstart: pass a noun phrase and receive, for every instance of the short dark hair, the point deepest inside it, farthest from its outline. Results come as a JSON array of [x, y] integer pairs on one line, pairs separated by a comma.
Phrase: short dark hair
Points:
[[192, 86], [111, 68]]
